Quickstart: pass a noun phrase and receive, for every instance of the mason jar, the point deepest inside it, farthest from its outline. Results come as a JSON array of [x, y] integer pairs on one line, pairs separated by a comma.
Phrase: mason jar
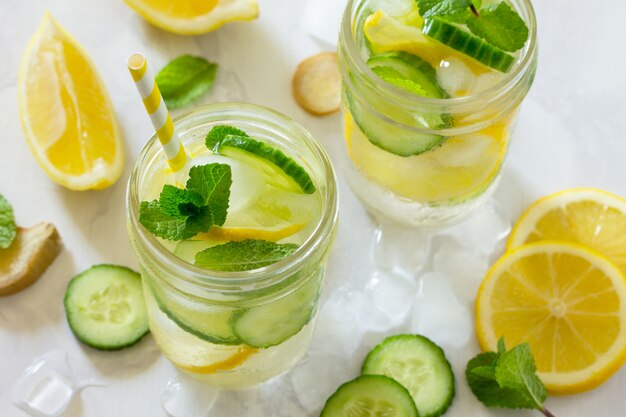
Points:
[[456, 174], [196, 314]]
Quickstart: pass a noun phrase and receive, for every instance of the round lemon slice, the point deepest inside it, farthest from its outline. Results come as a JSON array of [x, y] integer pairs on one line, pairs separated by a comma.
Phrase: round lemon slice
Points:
[[193, 17], [568, 302], [591, 217], [66, 114]]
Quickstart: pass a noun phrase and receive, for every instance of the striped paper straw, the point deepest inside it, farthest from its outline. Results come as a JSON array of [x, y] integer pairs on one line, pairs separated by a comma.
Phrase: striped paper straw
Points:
[[155, 106]]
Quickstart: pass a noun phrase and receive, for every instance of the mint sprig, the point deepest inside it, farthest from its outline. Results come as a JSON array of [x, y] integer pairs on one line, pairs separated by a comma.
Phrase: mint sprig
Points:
[[8, 230], [244, 255], [185, 79], [501, 26], [497, 24], [507, 379], [180, 214]]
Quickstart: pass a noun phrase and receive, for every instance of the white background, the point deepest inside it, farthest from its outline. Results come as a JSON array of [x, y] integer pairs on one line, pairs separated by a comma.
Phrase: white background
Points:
[[570, 133]]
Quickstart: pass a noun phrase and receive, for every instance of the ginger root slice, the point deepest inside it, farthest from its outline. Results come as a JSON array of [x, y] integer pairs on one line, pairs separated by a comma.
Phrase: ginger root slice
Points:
[[32, 251], [317, 84]]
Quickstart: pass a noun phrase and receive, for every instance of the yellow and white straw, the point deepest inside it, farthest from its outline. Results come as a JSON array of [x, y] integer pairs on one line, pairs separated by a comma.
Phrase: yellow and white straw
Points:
[[155, 106]]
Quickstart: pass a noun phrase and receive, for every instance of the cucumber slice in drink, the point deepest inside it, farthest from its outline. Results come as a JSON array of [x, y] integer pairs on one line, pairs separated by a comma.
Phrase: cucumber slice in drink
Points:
[[410, 67], [415, 75], [419, 365], [370, 395], [456, 38], [105, 307], [271, 160], [271, 324], [208, 323]]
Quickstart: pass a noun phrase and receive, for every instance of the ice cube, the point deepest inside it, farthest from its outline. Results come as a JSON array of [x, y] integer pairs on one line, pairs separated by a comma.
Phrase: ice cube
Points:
[[341, 321], [185, 397], [486, 81], [484, 231], [316, 378], [439, 315], [240, 403], [322, 19], [400, 249], [464, 268], [393, 295], [47, 386], [279, 398], [454, 76]]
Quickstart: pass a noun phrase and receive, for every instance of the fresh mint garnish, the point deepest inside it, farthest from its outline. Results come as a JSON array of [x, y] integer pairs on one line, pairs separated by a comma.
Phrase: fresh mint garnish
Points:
[[432, 8], [394, 77], [507, 379], [219, 133], [185, 79], [180, 214], [244, 255], [497, 24], [8, 230], [501, 26]]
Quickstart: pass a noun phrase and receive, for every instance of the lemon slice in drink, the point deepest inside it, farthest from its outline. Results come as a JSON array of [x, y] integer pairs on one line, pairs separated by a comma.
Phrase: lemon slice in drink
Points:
[[591, 217], [192, 17], [219, 358], [568, 302], [66, 113]]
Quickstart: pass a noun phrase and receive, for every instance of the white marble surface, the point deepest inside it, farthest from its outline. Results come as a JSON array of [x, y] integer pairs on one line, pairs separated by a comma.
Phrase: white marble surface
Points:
[[570, 133]]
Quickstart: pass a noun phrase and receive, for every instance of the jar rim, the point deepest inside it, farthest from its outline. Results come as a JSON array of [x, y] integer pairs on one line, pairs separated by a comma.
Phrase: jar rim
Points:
[[406, 99], [195, 275]]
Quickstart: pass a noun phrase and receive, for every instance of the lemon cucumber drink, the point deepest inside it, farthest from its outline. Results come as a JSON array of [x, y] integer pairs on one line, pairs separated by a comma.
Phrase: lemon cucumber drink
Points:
[[233, 246], [431, 89]]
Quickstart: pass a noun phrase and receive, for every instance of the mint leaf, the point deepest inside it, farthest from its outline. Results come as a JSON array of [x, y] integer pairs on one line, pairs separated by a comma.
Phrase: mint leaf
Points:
[[430, 8], [244, 255], [161, 224], [179, 203], [8, 230], [185, 79], [501, 26], [516, 370], [218, 133], [506, 379], [212, 183]]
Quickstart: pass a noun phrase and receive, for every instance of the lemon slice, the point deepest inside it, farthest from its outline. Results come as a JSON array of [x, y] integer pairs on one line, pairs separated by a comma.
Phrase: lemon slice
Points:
[[568, 302], [588, 216], [66, 113], [221, 358], [192, 17]]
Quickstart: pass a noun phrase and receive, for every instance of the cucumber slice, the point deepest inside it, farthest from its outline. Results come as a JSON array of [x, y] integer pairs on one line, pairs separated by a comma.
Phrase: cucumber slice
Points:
[[272, 160], [413, 74], [105, 307], [206, 322], [418, 364], [410, 67], [456, 38], [368, 396], [271, 324]]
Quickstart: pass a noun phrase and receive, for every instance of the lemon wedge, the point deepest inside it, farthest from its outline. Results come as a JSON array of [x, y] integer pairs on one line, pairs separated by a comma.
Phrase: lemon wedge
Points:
[[567, 302], [66, 113], [193, 17]]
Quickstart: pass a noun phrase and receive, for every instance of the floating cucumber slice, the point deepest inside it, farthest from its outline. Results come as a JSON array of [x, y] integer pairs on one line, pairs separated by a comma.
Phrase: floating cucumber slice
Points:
[[470, 45], [206, 322], [409, 72], [370, 395], [410, 67], [271, 160], [105, 307], [420, 366], [272, 323]]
